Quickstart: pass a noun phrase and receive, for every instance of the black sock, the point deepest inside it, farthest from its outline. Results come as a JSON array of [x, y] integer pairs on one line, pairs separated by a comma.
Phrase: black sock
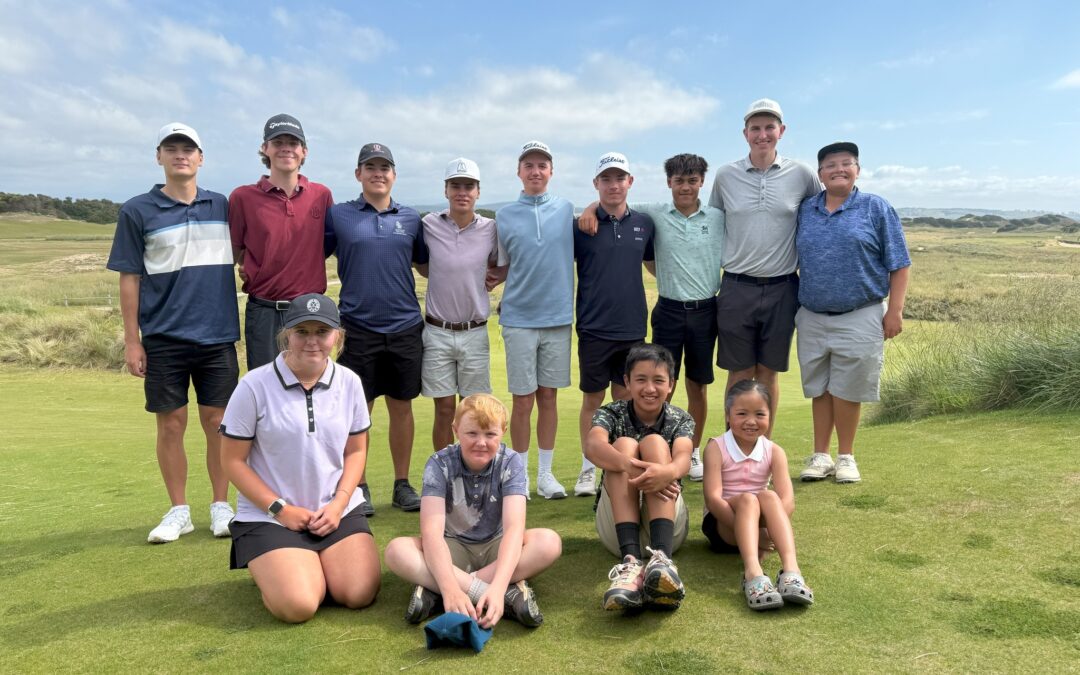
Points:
[[629, 538], [661, 532]]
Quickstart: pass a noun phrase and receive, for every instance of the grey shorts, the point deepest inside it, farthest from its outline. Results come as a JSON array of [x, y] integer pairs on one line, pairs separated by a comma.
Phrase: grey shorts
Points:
[[456, 362], [536, 357], [605, 524], [841, 354], [471, 557]]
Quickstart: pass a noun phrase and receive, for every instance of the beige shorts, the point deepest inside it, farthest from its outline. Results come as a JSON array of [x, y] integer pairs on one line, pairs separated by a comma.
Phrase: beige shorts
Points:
[[841, 354], [456, 363], [472, 557], [605, 525]]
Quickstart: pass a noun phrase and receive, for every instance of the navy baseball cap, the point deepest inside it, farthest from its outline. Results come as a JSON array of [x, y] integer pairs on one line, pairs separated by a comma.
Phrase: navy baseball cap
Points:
[[279, 125], [839, 146], [375, 151], [312, 307]]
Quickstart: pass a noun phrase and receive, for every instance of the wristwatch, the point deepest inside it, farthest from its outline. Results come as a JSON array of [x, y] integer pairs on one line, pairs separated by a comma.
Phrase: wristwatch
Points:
[[275, 507]]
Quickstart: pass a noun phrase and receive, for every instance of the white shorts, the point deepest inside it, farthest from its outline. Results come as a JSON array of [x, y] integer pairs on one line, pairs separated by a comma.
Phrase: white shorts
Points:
[[605, 524], [456, 362], [536, 357], [841, 354]]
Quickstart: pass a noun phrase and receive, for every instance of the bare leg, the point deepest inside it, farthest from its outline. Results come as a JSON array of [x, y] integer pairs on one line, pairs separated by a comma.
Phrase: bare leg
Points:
[[291, 582], [846, 414], [351, 570], [401, 435], [370, 410], [405, 558], [547, 417], [442, 432], [747, 518], [625, 500], [779, 526], [170, 453], [697, 404], [210, 419], [653, 448], [589, 403], [771, 380], [521, 421], [725, 527], [540, 548], [822, 409]]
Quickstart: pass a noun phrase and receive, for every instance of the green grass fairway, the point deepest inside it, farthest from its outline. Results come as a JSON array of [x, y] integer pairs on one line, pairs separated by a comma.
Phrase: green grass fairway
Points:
[[958, 552]]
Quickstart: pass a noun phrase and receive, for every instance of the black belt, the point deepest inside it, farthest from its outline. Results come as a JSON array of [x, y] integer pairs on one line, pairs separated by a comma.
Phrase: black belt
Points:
[[760, 281], [450, 325], [279, 305], [687, 305], [853, 309]]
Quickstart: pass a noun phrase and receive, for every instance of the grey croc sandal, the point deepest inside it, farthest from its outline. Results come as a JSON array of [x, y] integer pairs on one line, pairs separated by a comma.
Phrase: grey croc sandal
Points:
[[761, 594], [792, 588]]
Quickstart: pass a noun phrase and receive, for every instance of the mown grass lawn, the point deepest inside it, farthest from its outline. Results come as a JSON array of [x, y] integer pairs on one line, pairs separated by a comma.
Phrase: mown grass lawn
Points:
[[958, 552]]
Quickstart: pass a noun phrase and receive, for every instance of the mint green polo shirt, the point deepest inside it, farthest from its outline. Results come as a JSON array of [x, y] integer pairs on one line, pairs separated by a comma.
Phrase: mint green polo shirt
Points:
[[689, 250]]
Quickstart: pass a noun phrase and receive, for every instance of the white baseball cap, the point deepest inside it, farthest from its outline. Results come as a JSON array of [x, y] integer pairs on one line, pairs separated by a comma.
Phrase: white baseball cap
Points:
[[764, 106], [612, 160], [462, 168], [535, 146], [178, 129]]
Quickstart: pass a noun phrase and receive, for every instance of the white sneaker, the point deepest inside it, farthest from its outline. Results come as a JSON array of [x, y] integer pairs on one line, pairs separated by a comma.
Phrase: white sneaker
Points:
[[586, 483], [175, 523], [221, 514], [818, 466], [697, 469], [846, 470], [549, 488]]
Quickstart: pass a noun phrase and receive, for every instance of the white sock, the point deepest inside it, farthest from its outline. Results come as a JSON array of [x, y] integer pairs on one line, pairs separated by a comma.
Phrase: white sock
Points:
[[586, 464], [545, 461], [476, 590], [525, 461]]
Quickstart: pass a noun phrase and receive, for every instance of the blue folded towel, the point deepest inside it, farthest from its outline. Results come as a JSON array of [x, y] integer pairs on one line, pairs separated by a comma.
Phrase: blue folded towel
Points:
[[457, 630]]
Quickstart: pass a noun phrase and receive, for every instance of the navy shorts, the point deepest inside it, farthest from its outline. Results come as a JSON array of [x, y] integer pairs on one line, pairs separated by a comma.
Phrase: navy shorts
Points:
[[602, 362], [388, 363], [755, 319], [251, 539], [716, 542], [172, 365], [688, 330]]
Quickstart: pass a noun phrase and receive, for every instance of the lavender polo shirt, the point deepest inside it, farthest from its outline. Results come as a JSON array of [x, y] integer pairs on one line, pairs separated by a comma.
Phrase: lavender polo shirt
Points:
[[761, 209], [458, 260], [297, 437]]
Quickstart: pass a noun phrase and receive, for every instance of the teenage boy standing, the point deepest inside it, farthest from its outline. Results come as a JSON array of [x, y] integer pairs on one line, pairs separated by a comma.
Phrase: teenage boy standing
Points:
[[277, 236], [760, 196], [377, 240], [178, 301], [462, 248], [536, 235], [611, 309]]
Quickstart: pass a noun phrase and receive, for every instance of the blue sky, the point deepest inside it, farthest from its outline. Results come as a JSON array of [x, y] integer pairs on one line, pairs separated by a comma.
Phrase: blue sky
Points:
[[962, 104]]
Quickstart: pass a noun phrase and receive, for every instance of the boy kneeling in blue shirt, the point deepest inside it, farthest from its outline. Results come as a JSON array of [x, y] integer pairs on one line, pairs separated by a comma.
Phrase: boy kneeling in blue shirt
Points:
[[474, 554]]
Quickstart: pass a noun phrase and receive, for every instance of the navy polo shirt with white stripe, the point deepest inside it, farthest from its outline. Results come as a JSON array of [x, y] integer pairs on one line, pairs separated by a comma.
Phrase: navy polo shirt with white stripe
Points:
[[610, 292], [375, 252], [183, 255]]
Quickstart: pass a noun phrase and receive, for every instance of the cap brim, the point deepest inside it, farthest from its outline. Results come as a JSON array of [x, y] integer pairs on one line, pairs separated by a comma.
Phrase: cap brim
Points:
[[284, 132], [321, 319]]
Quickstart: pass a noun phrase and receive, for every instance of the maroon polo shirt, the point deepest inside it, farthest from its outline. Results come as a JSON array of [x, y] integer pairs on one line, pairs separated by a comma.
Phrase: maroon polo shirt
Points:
[[282, 237]]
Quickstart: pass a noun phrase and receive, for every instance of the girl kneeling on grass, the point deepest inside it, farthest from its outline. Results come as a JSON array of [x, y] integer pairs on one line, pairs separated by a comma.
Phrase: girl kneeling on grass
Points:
[[738, 466], [294, 442]]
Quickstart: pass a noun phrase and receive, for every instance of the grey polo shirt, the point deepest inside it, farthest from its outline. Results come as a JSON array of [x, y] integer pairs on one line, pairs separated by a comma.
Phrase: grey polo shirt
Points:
[[761, 209], [688, 250], [458, 260]]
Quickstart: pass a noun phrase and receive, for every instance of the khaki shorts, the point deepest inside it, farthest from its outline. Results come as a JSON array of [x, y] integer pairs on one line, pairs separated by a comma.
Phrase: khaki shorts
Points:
[[472, 557], [536, 357], [456, 363], [841, 354], [605, 525]]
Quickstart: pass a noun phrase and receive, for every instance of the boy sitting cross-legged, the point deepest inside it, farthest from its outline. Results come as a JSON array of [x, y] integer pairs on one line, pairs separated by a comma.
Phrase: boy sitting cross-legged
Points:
[[643, 445], [474, 554]]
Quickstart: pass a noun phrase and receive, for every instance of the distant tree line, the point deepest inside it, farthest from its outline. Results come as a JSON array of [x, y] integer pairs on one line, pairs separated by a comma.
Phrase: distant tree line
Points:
[[89, 210]]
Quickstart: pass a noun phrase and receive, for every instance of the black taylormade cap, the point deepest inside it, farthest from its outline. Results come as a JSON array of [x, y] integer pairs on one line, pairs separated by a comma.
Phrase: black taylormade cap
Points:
[[279, 125], [375, 151], [839, 146]]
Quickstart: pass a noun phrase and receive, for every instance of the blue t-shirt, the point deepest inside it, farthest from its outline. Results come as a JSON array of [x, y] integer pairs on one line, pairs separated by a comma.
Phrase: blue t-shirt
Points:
[[375, 252], [845, 257], [537, 236], [473, 500], [183, 255], [610, 292]]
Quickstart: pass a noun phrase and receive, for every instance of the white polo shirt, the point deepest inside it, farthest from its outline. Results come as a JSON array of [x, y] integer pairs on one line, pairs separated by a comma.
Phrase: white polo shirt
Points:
[[297, 436]]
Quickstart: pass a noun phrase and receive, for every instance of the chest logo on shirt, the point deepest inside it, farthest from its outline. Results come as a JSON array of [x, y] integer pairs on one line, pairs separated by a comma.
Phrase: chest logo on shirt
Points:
[[398, 229], [316, 213], [704, 229]]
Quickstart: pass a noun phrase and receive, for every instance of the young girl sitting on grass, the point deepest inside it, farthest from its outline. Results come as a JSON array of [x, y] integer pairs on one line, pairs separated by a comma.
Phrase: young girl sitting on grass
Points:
[[738, 466]]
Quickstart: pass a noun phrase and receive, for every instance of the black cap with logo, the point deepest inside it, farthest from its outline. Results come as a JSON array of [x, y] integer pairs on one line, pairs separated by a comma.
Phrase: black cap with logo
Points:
[[375, 151], [279, 125], [312, 307]]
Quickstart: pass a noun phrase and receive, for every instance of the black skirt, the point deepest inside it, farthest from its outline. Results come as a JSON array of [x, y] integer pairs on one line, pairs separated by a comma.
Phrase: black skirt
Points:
[[250, 540]]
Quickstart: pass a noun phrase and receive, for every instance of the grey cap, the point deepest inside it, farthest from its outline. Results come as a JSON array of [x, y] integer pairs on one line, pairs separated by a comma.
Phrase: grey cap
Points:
[[375, 151], [279, 125], [312, 307]]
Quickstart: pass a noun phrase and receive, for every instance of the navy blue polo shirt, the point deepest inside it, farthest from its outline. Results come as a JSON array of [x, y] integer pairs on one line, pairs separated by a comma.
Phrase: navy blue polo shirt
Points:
[[375, 252], [183, 255], [610, 291]]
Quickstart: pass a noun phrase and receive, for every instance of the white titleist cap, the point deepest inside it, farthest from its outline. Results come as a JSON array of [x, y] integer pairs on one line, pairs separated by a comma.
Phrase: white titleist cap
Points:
[[764, 106], [462, 168], [178, 129], [612, 160], [535, 146]]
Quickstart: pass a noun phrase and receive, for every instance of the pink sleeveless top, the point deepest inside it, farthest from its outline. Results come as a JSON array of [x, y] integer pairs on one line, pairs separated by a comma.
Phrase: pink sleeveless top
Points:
[[744, 473]]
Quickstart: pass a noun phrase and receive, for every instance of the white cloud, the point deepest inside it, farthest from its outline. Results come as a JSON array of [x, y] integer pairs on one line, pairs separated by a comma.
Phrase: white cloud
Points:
[[1068, 81], [948, 186], [21, 53], [281, 16], [938, 119]]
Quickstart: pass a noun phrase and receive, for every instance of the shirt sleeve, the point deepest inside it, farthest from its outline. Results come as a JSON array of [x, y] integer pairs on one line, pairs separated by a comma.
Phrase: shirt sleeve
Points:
[[128, 245], [513, 475], [603, 417], [435, 478], [650, 255], [361, 421], [420, 249], [684, 429], [237, 223], [241, 413], [716, 199], [894, 252], [329, 234]]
